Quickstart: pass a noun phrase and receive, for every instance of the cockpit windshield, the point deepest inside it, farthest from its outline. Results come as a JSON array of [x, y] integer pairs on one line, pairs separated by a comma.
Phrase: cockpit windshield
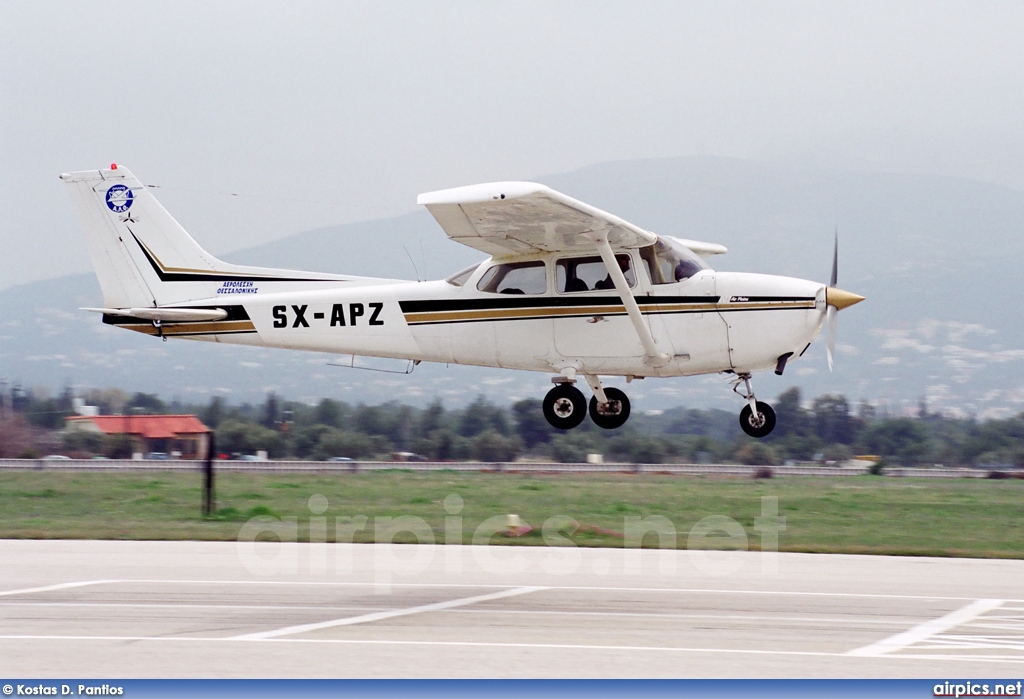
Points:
[[668, 262], [462, 276]]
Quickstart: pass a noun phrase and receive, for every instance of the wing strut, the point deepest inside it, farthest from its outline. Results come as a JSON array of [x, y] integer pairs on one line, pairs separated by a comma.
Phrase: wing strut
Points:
[[654, 356]]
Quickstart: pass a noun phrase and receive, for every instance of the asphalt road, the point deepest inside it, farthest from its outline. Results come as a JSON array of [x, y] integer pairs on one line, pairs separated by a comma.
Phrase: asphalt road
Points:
[[109, 609]]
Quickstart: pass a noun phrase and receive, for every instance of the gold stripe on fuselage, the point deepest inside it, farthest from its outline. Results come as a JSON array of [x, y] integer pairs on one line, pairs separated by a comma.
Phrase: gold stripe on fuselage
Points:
[[763, 305], [652, 307], [509, 313]]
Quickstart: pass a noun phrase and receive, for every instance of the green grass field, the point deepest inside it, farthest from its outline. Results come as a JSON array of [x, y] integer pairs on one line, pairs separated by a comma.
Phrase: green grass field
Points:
[[865, 514]]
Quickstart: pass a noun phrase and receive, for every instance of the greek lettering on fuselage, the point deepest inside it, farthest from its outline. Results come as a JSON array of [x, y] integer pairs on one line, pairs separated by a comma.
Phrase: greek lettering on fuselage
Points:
[[238, 287], [341, 314]]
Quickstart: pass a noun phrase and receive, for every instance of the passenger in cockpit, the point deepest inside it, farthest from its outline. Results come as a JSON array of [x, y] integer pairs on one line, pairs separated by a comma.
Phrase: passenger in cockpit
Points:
[[607, 282]]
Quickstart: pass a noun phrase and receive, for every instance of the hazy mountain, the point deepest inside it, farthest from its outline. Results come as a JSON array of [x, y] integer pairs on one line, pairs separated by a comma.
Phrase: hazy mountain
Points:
[[936, 257]]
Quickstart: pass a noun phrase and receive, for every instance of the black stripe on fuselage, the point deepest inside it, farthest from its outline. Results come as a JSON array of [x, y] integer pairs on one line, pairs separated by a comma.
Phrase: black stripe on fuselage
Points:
[[740, 298], [438, 312], [198, 276], [510, 301]]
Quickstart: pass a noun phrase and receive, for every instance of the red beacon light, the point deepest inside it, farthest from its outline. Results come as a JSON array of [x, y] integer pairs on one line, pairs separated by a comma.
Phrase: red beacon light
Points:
[[113, 166]]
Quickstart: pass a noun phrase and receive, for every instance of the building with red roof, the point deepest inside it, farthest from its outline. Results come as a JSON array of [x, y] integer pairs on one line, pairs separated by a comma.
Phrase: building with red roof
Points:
[[183, 435]]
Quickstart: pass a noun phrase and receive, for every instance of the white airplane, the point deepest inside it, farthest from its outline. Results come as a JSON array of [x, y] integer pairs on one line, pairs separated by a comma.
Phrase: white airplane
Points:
[[569, 290]]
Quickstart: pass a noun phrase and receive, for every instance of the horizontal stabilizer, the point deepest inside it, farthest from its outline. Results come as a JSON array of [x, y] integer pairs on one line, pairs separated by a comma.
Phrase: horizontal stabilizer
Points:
[[162, 314]]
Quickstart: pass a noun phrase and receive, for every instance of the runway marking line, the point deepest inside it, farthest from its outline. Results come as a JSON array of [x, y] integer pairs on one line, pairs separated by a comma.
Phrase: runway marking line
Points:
[[380, 616], [921, 634], [947, 642], [1002, 631], [925, 631], [58, 586]]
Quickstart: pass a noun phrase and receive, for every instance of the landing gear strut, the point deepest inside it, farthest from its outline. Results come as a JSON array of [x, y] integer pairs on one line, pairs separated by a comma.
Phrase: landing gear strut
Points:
[[609, 407], [757, 419], [611, 414]]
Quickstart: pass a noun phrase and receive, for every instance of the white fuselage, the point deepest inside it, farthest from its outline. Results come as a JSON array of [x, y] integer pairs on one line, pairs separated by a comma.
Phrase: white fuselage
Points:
[[569, 289], [708, 323]]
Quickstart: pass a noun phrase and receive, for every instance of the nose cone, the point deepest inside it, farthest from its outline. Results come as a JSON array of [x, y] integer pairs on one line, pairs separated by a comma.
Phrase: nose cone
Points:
[[841, 299]]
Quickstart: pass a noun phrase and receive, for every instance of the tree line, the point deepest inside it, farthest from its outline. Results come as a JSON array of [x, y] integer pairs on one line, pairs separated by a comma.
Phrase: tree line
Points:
[[828, 428]]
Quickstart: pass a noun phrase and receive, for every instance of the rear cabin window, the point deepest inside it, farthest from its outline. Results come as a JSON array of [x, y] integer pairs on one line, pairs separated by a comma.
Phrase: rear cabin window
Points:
[[515, 278], [589, 274]]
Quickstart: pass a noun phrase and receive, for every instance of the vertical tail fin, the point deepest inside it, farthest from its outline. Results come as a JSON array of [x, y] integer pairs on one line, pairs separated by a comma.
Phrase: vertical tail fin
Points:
[[107, 203], [143, 257]]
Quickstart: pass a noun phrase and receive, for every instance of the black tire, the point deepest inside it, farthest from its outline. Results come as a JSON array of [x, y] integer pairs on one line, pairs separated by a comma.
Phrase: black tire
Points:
[[614, 413], [564, 407], [761, 428]]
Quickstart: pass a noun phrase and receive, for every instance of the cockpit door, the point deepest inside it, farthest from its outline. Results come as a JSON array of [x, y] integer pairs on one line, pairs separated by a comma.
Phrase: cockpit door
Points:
[[590, 321], [685, 305]]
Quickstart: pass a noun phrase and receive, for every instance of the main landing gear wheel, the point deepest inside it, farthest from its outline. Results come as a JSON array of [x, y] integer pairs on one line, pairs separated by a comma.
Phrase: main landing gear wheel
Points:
[[761, 426], [565, 407], [612, 414]]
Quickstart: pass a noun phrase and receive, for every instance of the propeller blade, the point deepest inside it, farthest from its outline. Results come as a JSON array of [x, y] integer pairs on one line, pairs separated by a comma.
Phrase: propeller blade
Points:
[[830, 320], [835, 261]]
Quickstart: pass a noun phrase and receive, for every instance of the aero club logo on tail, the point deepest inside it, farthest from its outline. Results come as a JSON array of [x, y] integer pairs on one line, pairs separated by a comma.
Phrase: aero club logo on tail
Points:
[[119, 198]]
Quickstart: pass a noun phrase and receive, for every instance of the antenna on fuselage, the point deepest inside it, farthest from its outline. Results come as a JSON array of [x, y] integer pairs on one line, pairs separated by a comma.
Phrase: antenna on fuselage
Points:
[[413, 262]]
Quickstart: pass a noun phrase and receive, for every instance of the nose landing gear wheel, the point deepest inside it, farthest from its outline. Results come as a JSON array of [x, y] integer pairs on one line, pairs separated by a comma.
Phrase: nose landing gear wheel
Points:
[[760, 427], [564, 407], [612, 414]]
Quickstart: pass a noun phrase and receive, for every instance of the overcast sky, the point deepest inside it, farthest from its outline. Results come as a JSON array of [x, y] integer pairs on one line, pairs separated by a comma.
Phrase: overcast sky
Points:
[[322, 113]]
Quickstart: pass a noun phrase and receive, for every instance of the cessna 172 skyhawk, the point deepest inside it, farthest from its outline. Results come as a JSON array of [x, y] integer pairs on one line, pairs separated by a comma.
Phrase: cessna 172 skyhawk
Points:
[[569, 289]]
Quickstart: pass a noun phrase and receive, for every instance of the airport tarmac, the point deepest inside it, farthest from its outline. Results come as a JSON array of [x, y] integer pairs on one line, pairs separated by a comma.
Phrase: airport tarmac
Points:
[[123, 609]]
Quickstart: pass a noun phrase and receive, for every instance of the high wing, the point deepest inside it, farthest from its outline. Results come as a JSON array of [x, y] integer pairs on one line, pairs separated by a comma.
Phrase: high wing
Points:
[[503, 218], [520, 218], [517, 218]]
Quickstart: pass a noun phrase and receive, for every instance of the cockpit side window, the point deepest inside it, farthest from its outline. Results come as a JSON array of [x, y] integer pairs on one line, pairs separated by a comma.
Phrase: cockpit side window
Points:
[[462, 276], [515, 278], [668, 264], [589, 274]]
